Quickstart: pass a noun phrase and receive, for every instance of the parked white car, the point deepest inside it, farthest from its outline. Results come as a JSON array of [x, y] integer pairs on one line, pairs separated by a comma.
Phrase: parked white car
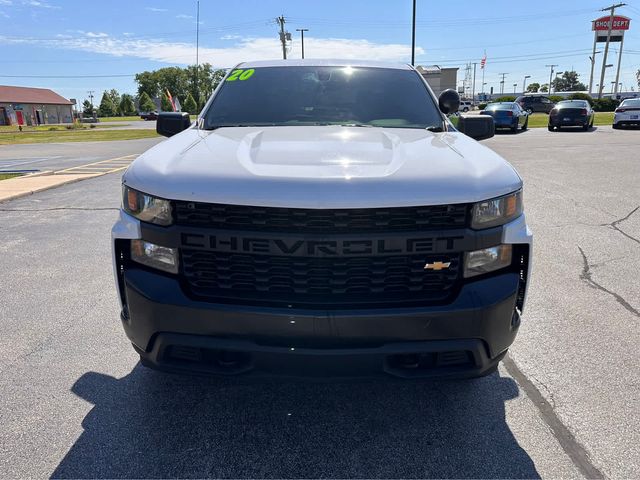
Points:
[[465, 106], [627, 113]]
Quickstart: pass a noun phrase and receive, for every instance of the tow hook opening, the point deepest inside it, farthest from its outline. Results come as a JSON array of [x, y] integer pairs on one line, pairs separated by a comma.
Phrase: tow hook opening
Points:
[[220, 361]]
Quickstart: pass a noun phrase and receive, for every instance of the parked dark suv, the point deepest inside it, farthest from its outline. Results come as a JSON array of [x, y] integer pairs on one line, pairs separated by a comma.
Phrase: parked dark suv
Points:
[[535, 103]]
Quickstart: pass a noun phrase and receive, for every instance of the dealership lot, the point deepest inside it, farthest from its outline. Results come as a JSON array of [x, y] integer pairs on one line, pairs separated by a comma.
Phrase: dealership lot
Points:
[[76, 404]]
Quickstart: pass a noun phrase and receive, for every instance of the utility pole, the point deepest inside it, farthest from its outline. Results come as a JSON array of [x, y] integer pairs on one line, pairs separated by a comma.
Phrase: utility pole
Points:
[[283, 37], [90, 94], [551, 75], [502, 82], [413, 36], [612, 9], [473, 86], [197, 84], [302, 30]]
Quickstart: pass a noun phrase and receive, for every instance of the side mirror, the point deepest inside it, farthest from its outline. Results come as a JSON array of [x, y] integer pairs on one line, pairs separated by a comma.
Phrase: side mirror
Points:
[[449, 101], [478, 127], [170, 123]]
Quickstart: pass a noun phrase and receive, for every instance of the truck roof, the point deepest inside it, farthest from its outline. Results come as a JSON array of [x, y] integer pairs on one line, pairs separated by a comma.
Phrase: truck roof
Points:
[[322, 63]]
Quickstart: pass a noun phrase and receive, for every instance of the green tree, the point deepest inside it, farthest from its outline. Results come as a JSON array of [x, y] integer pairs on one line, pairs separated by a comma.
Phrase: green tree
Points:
[[127, 106], [568, 82], [107, 108], [148, 83], [145, 104], [544, 87], [87, 108], [165, 104], [114, 96], [190, 105], [533, 87]]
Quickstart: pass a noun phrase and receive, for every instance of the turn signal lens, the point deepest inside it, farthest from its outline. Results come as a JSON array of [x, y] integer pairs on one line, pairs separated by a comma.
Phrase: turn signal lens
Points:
[[146, 207], [497, 211], [487, 260]]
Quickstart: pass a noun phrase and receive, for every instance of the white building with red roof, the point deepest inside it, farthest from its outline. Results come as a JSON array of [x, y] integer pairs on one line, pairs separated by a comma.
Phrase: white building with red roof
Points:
[[33, 106]]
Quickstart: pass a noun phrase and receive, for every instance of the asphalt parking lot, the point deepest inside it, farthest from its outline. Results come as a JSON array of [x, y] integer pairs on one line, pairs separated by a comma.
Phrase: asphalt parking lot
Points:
[[75, 402]]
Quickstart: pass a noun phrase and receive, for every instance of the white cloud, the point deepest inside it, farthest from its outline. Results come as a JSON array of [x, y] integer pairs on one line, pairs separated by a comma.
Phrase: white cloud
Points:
[[38, 4], [6, 2], [262, 48], [154, 9], [4, 15], [182, 15], [231, 37], [97, 35]]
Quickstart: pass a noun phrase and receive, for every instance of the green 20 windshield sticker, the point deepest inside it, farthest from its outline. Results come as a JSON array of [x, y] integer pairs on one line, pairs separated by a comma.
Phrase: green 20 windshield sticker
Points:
[[241, 75]]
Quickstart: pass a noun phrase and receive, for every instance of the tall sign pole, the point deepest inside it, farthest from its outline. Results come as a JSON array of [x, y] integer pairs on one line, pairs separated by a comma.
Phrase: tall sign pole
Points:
[[612, 9], [619, 62]]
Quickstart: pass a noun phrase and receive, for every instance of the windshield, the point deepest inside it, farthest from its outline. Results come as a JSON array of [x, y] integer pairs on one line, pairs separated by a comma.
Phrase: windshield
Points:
[[375, 97], [500, 106], [573, 103], [631, 103]]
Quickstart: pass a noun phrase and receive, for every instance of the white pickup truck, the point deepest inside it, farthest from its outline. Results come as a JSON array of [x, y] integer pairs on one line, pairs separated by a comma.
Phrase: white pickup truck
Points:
[[322, 218]]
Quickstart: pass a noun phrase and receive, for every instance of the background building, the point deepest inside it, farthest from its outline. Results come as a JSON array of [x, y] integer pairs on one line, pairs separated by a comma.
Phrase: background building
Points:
[[33, 106], [439, 79]]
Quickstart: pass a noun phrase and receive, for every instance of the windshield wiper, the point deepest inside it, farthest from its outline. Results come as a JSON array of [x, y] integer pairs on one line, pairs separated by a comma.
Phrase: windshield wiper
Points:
[[231, 125]]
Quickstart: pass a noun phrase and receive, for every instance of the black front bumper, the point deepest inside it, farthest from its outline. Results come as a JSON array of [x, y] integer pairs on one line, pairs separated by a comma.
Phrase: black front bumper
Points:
[[467, 337]]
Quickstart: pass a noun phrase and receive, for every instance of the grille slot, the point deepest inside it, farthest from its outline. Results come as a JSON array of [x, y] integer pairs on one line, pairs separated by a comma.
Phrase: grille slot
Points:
[[318, 282], [294, 220]]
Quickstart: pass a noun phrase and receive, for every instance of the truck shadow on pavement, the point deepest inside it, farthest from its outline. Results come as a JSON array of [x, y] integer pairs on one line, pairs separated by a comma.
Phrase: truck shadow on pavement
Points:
[[148, 424]]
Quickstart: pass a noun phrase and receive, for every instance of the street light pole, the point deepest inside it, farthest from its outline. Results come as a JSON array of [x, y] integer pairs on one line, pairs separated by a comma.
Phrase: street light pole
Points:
[[302, 30], [413, 36], [524, 82], [551, 76], [515, 85], [502, 82]]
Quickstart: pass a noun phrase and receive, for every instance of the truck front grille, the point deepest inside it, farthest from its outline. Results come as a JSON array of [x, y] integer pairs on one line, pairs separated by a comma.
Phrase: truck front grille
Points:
[[319, 282], [301, 220]]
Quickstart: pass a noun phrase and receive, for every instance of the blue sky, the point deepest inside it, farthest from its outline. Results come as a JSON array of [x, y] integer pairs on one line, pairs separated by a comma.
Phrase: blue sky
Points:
[[102, 44]]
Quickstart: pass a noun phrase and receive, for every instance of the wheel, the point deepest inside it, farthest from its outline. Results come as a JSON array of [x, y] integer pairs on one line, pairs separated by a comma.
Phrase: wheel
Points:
[[585, 127], [526, 124], [529, 111], [550, 128]]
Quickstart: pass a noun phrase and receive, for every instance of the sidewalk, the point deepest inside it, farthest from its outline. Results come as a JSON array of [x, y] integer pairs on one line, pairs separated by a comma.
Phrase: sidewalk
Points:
[[22, 186], [36, 182]]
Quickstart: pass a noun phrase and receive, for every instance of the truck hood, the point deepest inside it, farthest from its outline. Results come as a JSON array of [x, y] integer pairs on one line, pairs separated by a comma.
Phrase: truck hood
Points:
[[322, 167]]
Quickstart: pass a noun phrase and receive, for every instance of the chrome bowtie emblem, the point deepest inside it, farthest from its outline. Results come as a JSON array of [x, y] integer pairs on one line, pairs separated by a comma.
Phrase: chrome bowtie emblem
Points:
[[437, 265]]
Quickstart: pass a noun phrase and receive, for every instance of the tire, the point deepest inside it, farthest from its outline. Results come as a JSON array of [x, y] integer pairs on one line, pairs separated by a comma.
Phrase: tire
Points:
[[526, 124], [586, 127], [550, 128], [529, 111], [615, 126], [558, 128]]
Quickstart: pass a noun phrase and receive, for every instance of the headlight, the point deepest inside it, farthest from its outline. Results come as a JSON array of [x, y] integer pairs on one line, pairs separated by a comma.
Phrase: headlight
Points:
[[497, 211], [152, 255], [487, 260], [146, 207]]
